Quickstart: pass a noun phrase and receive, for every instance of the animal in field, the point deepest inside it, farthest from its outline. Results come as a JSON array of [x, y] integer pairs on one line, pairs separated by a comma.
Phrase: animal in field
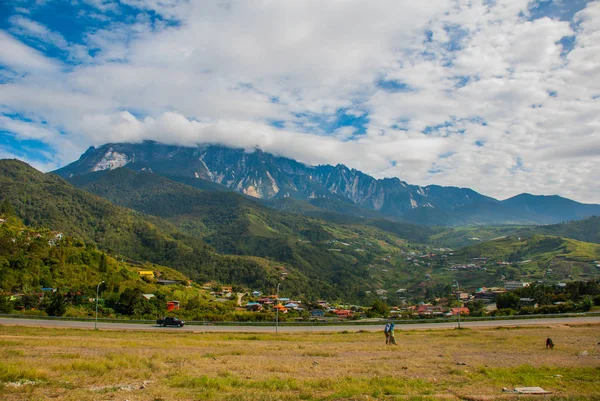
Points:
[[549, 343]]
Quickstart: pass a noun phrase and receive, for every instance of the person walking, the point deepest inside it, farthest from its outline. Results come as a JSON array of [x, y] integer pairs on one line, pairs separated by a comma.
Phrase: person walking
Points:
[[391, 339], [386, 331]]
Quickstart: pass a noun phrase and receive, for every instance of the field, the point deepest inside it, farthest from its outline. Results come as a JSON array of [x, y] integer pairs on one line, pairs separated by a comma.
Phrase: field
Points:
[[466, 364]]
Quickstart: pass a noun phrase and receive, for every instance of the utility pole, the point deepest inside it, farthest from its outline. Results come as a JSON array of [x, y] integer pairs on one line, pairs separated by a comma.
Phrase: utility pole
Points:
[[458, 299], [97, 291], [277, 310]]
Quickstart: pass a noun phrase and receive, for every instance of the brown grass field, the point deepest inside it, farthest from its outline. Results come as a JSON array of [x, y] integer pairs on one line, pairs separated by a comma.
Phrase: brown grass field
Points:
[[466, 364]]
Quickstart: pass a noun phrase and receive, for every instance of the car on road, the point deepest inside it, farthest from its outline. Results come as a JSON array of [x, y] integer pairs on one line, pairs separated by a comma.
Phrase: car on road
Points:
[[170, 321]]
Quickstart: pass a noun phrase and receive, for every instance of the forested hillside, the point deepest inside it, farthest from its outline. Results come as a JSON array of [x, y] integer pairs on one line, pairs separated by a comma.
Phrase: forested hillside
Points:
[[235, 224], [46, 200], [301, 247], [59, 275], [587, 230]]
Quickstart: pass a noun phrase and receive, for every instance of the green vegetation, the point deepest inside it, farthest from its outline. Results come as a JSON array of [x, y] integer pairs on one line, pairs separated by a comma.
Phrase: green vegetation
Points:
[[587, 230], [45, 200], [334, 257], [226, 238], [58, 276]]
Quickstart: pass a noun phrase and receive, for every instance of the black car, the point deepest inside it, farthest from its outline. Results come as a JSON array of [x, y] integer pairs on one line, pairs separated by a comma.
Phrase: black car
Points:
[[170, 321]]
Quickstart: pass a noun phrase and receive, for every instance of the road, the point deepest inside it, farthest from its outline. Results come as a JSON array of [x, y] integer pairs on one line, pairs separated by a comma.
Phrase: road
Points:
[[292, 329]]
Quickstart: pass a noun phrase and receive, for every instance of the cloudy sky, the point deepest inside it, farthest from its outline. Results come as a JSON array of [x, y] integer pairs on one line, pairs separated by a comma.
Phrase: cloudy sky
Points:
[[502, 96]]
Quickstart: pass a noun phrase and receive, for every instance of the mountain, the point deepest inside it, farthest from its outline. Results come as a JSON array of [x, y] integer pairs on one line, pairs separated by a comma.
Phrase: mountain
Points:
[[325, 188], [266, 176], [46, 200], [340, 251], [186, 228]]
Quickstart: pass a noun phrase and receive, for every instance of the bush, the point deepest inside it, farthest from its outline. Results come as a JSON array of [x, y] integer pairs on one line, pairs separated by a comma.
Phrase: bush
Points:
[[6, 305], [57, 306], [504, 312]]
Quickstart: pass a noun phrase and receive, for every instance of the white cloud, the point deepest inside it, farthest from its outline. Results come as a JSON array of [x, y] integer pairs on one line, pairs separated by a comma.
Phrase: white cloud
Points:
[[16, 55], [27, 27], [227, 69]]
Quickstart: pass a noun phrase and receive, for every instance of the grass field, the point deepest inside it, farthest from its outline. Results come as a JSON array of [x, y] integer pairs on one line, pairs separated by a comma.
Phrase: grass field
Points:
[[467, 364]]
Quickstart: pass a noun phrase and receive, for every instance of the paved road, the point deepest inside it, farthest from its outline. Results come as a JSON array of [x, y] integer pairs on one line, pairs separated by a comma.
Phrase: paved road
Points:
[[292, 329]]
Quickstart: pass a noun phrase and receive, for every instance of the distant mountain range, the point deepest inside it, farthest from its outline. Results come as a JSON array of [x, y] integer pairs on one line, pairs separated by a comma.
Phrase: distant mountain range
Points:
[[280, 181]]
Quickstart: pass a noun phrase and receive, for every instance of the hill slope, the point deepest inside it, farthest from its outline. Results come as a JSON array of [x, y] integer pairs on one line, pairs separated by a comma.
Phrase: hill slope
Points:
[[538, 257], [47, 200], [235, 224]]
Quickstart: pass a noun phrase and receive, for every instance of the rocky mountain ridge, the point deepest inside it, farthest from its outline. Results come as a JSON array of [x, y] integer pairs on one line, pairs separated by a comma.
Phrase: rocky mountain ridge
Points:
[[266, 176], [269, 177]]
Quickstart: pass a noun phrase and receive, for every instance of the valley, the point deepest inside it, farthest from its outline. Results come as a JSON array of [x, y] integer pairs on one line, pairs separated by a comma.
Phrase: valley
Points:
[[212, 237]]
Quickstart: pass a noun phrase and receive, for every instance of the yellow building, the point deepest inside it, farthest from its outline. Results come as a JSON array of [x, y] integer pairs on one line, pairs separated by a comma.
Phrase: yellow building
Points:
[[144, 273]]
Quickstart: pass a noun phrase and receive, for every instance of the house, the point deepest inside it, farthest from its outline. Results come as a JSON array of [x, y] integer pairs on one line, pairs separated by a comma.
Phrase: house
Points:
[[172, 305], [291, 305], [280, 308], [425, 310], [461, 310], [167, 282], [343, 312], [487, 295], [146, 273], [254, 307], [461, 295], [527, 302], [317, 313], [227, 288], [148, 296], [513, 285], [256, 293]]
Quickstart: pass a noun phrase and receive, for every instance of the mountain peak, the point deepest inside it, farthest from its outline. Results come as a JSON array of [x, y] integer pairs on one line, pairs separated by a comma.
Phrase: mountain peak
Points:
[[263, 175]]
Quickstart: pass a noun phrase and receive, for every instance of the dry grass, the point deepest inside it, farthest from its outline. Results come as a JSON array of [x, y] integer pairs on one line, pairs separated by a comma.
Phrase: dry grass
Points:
[[468, 364]]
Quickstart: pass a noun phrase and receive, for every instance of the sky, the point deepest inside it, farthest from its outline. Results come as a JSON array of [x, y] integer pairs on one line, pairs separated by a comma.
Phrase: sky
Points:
[[501, 96]]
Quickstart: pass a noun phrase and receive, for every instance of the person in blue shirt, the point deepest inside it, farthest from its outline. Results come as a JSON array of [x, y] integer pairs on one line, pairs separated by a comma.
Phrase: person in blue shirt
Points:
[[391, 339], [386, 331]]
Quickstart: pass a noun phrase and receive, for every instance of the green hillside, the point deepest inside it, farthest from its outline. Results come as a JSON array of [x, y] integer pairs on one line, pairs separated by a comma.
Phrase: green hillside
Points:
[[540, 257], [536, 247], [587, 230], [45, 200], [235, 224], [36, 262], [322, 259]]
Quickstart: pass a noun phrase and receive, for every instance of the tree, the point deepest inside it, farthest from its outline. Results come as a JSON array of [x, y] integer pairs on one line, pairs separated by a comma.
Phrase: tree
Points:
[[103, 267], [507, 300], [57, 306], [6, 208], [379, 308], [6, 305], [586, 303], [476, 308]]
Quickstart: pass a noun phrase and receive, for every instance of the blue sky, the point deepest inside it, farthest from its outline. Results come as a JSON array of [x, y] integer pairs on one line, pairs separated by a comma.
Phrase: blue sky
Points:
[[499, 96]]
